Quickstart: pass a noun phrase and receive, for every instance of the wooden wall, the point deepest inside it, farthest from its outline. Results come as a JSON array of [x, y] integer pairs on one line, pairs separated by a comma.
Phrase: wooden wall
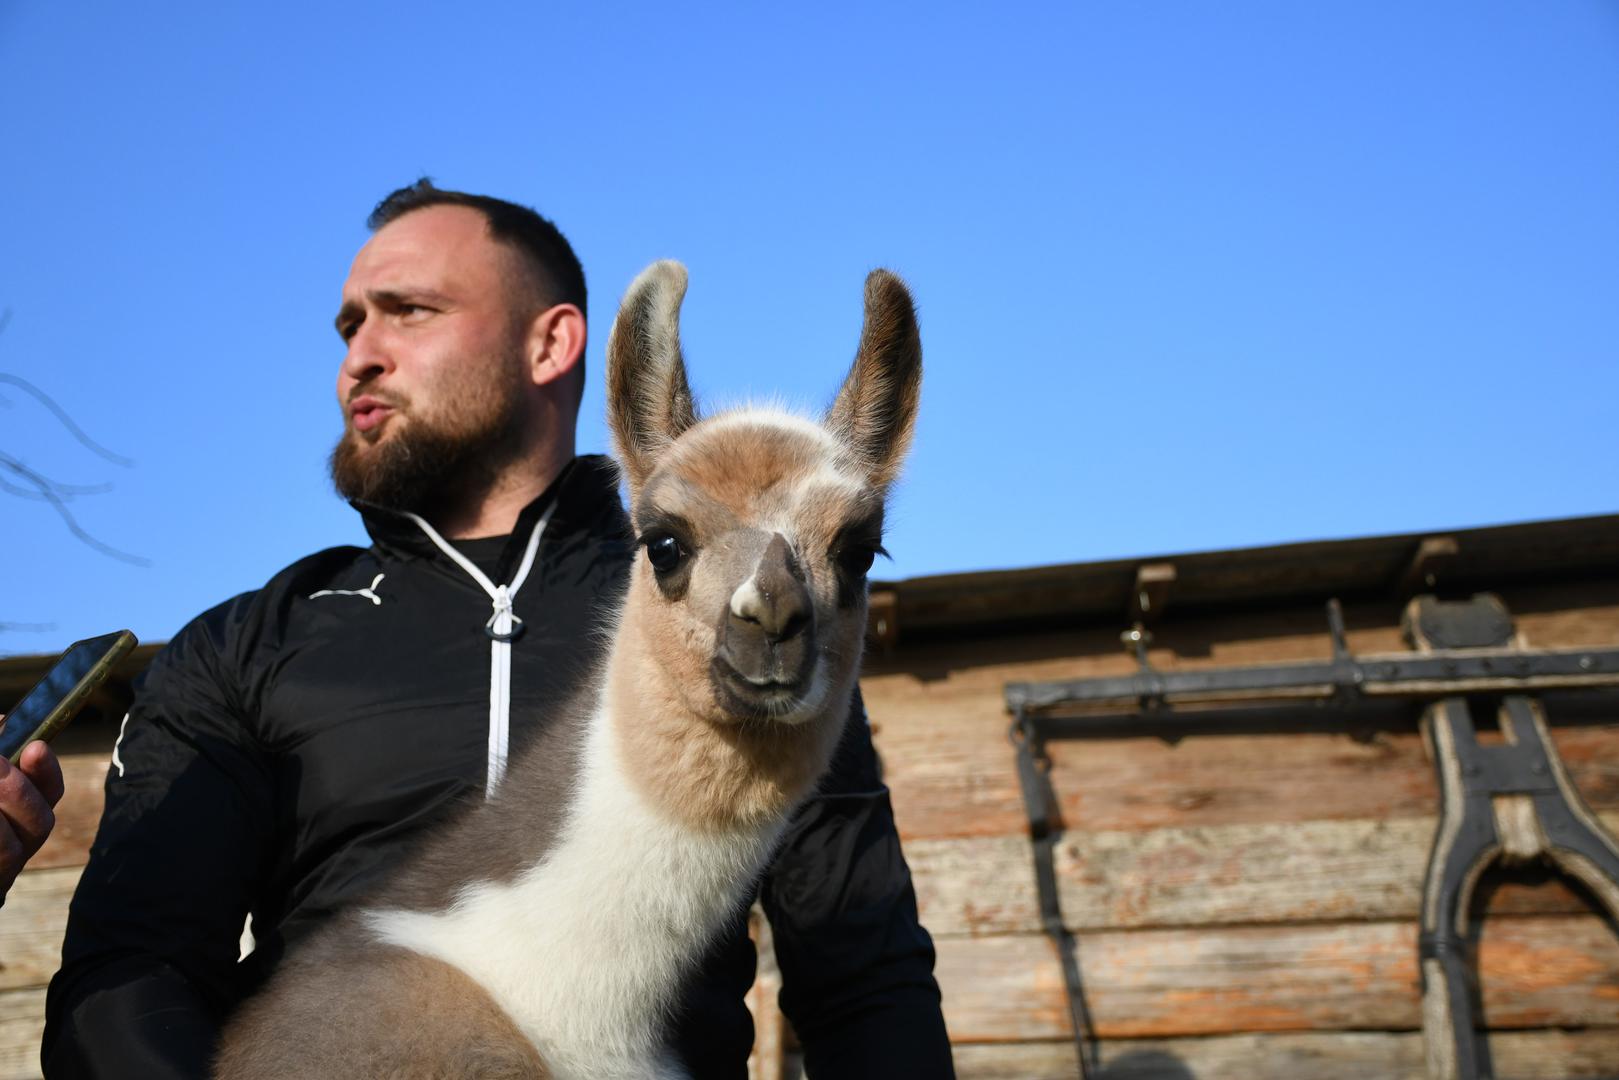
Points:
[[1245, 905]]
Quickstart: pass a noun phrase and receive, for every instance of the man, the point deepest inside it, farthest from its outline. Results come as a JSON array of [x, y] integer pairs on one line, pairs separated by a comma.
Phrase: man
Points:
[[28, 791], [288, 747]]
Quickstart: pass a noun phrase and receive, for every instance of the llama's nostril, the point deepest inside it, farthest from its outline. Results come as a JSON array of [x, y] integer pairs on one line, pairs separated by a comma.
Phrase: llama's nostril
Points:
[[791, 627]]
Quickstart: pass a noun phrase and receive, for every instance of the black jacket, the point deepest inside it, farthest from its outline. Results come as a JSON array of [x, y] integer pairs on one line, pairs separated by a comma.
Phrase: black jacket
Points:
[[288, 746]]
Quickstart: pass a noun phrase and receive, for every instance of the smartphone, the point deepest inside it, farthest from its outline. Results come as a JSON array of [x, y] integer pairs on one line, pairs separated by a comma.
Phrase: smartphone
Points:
[[57, 698]]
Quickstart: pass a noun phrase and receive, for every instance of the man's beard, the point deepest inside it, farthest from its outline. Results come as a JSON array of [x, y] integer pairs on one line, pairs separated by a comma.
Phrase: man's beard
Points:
[[431, 464]]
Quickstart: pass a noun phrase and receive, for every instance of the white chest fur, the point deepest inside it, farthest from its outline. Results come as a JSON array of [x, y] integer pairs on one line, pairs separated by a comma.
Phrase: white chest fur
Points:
[[586, 950]]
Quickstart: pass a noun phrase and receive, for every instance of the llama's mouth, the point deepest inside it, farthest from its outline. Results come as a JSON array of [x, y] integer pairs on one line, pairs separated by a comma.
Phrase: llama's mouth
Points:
[[762, 697]]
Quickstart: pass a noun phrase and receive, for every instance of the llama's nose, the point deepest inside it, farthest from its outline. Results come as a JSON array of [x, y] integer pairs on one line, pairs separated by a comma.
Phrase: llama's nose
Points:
[[774, 601]]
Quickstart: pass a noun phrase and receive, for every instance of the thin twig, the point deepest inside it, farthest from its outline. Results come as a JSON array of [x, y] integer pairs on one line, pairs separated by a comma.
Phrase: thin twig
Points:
[[61, 415], [27, 627], [67, 492], [43, 487]]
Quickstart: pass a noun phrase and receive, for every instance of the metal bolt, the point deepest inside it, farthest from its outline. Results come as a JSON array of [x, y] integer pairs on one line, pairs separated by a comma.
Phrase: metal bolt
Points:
[[1585, 663]]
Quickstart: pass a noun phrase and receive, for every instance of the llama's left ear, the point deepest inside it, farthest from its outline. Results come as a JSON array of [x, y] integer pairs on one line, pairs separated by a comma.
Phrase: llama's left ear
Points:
[[875, 411], [649, 402]]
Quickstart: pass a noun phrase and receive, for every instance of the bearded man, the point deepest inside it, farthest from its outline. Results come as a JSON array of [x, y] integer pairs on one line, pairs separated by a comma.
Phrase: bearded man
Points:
[[288, 747]]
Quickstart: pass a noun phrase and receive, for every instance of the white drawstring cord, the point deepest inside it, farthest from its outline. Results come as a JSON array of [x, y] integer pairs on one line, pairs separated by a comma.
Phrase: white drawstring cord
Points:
[[501, 628]]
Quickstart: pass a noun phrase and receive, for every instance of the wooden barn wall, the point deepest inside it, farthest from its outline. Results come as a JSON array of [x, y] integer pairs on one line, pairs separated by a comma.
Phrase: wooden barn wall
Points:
[[1245, 905]]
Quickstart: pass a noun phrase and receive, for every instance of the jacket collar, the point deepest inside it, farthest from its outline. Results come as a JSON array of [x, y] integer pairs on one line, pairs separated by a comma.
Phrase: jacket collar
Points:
[[585, 493]]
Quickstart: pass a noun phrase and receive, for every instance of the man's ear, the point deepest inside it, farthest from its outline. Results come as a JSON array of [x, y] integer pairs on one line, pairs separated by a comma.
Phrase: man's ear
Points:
[[556, 343], [649, 402]]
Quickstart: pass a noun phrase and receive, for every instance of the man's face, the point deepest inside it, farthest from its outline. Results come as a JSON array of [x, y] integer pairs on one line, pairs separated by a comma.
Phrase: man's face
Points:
[[432, 385]]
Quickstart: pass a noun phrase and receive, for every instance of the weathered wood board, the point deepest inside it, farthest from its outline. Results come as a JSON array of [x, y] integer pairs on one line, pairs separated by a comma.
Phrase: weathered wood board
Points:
[[21, 1018], [1541, 971], [31, 926], [1348, 1055], [1211, 875], [78, 814]]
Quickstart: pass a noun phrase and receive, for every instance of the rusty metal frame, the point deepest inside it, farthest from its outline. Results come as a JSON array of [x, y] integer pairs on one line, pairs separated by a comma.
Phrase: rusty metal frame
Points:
[[1358, 694]]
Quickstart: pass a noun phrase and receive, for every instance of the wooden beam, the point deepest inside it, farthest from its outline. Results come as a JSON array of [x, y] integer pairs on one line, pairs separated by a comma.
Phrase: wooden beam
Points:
[[1385, 1055], [1216, 875], [1427, 563], [22, 1022], [78, 815], [882, 619], [952, 775], [1552, 971], [1150, 595], [31, 927]]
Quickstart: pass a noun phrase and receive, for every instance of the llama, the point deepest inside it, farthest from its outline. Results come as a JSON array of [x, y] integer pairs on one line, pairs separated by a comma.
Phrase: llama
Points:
[[546, 933]]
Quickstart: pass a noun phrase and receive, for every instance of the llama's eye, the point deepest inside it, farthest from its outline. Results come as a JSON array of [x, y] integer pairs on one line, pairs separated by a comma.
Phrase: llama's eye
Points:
[[664, 552], [856, 559]]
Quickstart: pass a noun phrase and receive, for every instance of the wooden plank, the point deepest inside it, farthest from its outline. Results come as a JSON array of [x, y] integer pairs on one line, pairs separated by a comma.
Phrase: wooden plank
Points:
[[78, 814], [771, 1032], [951, 772], [1536, 972], [1590, 1054], [941, 725], [942, 737], [1313, 871], [1564, 616], [22, 1021], [31, 927]]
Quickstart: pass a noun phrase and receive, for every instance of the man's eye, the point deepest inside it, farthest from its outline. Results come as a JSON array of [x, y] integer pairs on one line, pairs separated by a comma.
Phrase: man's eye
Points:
[[664, 552]]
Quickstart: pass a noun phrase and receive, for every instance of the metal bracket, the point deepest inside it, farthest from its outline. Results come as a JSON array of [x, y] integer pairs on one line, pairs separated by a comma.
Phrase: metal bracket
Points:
[[1045, 833], [1512, 802]]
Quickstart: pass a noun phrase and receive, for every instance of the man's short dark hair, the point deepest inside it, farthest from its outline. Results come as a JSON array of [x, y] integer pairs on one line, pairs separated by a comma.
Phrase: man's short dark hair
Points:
[[539, 241]]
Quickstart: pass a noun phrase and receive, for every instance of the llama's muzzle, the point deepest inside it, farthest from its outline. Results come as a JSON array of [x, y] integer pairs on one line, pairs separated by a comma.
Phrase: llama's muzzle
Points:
[[767, 634]]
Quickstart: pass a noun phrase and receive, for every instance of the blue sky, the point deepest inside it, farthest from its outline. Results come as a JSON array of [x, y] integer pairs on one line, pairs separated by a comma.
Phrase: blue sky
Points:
[[1191, 275]]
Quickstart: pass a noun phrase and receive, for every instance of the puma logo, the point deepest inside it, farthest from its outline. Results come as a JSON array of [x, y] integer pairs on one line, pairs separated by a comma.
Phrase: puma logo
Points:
[[369, 592]]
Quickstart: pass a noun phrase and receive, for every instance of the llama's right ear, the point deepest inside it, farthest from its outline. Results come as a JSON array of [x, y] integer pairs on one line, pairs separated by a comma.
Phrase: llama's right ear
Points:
[[649, 402], [875, 411]]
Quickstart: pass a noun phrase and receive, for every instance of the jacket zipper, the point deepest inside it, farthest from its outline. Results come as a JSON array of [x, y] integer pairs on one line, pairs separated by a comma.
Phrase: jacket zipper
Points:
[[502, 628]]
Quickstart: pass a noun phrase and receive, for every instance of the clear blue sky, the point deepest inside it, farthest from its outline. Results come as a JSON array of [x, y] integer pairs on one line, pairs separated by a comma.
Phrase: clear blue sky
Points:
[[1191, 275]]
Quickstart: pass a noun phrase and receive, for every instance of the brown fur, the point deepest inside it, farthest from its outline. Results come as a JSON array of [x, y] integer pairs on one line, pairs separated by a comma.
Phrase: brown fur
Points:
[[424, 1020], [876, 411], [729, 482], [496, 847]]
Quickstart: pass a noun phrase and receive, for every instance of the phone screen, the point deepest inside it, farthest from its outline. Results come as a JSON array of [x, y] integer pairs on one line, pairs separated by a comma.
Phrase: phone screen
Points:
[[77, 673]]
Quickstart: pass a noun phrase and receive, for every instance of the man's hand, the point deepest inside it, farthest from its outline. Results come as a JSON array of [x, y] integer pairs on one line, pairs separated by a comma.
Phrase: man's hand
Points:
[[27, 793]]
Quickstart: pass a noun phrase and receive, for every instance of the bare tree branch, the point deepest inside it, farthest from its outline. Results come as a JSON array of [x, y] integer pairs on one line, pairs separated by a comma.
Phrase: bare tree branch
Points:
[[67, 492], [37, 486], [61, 414], [45, 489], [27, 627]]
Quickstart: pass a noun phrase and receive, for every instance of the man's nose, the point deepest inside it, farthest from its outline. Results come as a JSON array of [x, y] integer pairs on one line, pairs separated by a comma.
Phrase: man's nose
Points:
[[367, 356]]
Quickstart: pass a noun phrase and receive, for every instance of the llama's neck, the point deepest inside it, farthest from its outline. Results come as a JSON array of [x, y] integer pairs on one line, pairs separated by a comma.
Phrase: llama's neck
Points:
[[707, 771], [586, 950]]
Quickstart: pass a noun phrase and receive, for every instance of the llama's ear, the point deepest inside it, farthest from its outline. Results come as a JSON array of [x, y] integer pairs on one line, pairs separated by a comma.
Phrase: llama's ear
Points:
[[649, 402], [876, 410]]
